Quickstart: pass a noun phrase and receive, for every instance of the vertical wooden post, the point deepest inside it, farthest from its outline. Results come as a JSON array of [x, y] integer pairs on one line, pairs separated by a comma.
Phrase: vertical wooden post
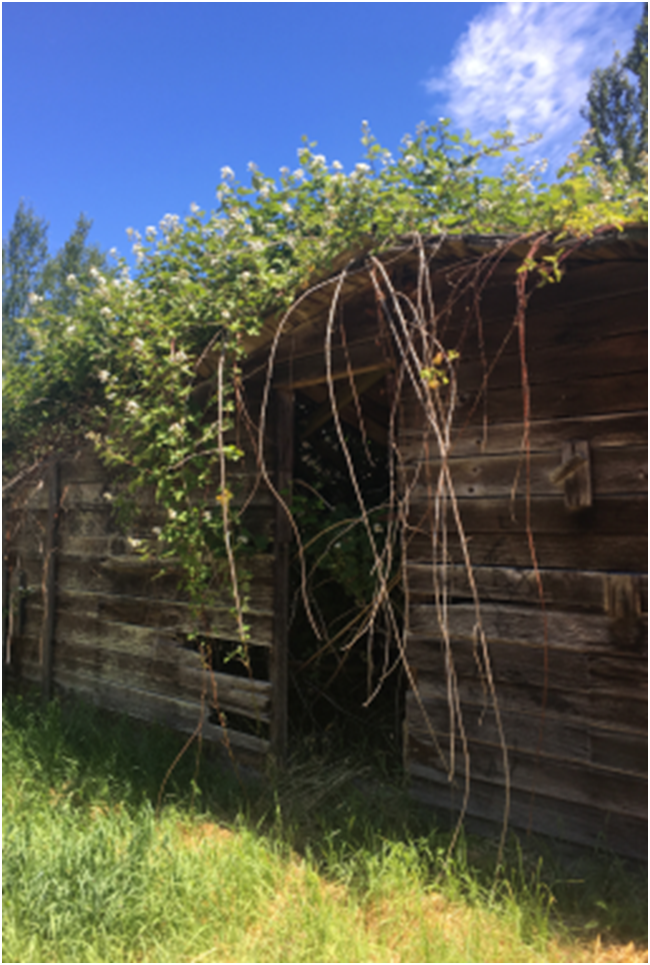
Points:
[[6, 603], [49, 582], [284, 419]]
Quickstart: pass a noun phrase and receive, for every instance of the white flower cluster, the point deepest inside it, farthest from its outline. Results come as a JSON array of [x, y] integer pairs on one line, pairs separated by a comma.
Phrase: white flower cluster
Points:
[[194, 208], [103, 375], [180, 357], [227, 173], [169, 223], [151, 232], [34, 299], [360, 170], [132, 407], [71, 280], [337, 165]]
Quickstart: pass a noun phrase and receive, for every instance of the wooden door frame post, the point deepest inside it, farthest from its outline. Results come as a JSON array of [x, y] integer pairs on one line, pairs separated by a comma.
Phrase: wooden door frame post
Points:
[[284, 441], [49, 581]]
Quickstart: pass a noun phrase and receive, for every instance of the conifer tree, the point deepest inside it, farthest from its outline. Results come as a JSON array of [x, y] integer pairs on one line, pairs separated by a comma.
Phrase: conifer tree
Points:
[[617, 106], [24, 254]]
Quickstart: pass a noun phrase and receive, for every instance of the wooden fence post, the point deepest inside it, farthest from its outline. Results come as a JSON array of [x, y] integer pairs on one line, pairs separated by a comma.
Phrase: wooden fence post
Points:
[[49, 581], [284, 419]]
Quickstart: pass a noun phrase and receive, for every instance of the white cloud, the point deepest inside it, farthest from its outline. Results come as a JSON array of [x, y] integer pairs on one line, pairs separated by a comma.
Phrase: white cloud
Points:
[[529, 64]]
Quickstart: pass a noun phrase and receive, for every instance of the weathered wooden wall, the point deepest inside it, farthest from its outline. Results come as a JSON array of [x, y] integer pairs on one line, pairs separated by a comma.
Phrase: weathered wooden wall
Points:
[[120, 631], [574, 706]]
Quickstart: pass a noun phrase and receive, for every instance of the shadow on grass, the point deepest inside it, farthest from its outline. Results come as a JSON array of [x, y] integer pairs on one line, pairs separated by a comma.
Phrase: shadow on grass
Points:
[[345, 814]]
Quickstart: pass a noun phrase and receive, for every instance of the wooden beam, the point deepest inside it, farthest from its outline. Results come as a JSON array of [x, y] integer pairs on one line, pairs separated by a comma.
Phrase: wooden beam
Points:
[[343, 398], [284, 421], [49, 581]]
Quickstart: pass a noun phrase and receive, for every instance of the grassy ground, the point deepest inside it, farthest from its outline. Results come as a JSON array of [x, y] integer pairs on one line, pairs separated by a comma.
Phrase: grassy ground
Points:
[[304, 869]]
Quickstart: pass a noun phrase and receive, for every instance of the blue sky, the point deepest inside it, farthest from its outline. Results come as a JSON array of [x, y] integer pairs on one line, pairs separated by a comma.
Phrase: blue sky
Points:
[[128, 111]]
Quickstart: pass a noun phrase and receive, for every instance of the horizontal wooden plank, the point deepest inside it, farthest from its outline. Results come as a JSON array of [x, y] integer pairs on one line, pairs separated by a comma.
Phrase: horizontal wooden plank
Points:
[[616, 471], [101, 495], [360, 357], [600, 395], [512, 663], [97, 632], [601, 432], [577, 783], [616, 554], [169, 672], [548, 514], [82, 574], [549, 365], [587, 294], [126, 576], [520, 625], [565, 670], [183, 715], [159, 614], [563, 589], [357, 323], [557, 735], [565, 821], [616, 710], [560, 328]]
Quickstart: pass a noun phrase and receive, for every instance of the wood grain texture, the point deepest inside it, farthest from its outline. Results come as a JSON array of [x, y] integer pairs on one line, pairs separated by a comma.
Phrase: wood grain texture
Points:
[[122, 623]]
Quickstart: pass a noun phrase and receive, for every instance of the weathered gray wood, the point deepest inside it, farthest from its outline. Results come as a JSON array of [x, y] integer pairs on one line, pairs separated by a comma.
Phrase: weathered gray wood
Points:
[[578, 783], [559, 732], [512, 624], [614, 471], [596, 395], [49, 580], [566, 821], [602, 431], [563, 589], [167, 671], [550, 366], [184, 715], [612, 515], [575, 475], [615, 707], [284, 442], [626, 553], [93, 630]]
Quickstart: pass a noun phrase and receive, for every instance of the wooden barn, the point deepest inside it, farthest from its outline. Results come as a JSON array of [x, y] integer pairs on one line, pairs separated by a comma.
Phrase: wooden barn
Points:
[[520, 533]]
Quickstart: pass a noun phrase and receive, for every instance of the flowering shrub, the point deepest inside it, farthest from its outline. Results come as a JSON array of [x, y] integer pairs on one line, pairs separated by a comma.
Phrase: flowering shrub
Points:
[[121, 370]]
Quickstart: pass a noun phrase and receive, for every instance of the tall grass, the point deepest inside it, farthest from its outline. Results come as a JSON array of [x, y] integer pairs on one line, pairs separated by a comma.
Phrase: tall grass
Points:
[[309, 867]]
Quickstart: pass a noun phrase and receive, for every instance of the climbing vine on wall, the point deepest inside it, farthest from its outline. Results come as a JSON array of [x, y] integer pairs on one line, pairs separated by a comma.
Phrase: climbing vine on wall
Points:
[[123, 366]]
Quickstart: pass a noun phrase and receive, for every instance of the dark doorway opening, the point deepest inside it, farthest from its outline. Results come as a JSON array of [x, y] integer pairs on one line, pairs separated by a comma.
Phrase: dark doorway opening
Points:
[[346, 695]]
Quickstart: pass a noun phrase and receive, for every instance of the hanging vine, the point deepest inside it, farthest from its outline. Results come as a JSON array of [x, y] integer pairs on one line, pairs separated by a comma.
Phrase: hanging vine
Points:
[[148, 365]]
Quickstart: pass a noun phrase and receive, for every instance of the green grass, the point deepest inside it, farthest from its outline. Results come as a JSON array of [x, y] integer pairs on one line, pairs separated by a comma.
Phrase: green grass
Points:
[[308, 867]]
